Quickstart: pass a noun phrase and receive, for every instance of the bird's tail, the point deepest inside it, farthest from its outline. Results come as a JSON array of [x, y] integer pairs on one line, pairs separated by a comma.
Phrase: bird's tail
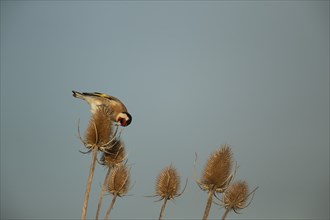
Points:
[[77, 95]]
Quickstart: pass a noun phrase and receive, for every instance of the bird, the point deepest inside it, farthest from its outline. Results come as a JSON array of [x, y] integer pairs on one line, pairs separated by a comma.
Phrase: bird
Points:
[[119, 114]]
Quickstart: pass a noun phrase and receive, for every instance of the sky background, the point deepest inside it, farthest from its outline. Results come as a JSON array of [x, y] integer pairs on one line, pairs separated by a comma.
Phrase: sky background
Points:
[[194, 75]]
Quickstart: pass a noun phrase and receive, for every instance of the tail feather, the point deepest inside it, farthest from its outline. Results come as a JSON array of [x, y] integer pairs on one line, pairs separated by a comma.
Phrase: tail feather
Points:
[[87, 95], [77, 94], [91, 93]]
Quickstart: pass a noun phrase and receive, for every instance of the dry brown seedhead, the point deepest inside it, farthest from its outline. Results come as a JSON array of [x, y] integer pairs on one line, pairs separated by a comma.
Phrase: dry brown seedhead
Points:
[[119, 180], [99, 131], [236, 196], [168, 183], [115, 155], [217, 173], [167, 186]]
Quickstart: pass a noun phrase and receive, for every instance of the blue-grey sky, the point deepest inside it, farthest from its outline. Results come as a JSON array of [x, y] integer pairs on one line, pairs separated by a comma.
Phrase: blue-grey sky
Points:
[[194, 75]]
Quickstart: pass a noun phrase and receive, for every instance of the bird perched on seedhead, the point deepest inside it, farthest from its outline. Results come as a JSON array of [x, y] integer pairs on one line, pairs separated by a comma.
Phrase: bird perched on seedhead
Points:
[[119, 114]]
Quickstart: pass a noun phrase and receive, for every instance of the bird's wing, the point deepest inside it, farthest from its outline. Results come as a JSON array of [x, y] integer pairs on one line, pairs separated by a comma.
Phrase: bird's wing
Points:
[[98, 94], [112, 98]]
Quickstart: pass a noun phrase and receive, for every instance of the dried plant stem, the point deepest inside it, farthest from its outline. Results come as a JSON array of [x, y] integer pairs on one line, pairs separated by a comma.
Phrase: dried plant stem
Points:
[[102, 193], [111, 206], [162, 210], [208, 204], [225, 214], [89, 184]]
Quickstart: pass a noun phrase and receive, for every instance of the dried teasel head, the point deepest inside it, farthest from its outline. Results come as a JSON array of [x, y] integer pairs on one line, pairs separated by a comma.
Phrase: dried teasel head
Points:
[[119, 180], [99, 131], [236, 196], [217, 174], [168, 183], [115, 155]]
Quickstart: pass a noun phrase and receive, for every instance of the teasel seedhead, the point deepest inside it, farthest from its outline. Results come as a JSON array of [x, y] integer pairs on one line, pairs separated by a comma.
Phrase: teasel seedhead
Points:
[[237, 195], [167, 186], [119, 180], [217, 173], [168, 183], [115, 155], [99, 130]]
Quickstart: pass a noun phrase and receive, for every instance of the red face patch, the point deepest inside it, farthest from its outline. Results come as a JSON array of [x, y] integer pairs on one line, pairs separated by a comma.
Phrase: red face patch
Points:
[[122, 121]]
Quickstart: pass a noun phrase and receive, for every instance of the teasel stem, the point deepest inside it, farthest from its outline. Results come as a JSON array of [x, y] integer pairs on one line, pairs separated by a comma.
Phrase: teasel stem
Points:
[[225, 214], [89, 184], [102, 193], [163, 208], [111, 206], [209, 203]]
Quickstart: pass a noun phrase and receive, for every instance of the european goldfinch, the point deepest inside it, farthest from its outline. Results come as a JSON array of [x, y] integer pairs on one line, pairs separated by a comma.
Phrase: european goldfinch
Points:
[[119, 115]]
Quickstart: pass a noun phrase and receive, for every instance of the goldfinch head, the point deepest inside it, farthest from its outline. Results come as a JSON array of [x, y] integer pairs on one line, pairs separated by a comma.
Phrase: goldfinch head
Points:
[[124, 119]]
